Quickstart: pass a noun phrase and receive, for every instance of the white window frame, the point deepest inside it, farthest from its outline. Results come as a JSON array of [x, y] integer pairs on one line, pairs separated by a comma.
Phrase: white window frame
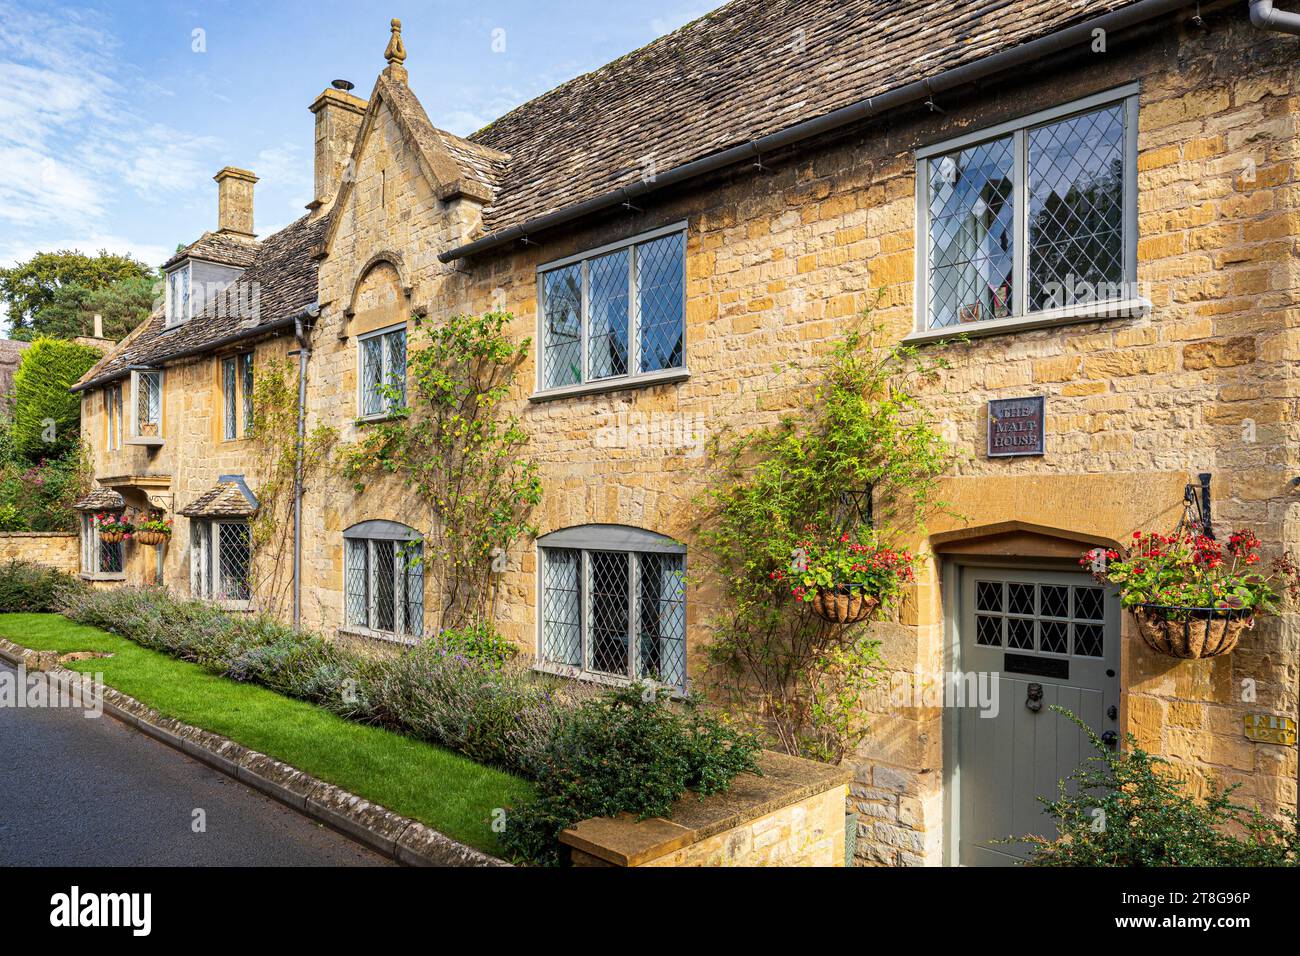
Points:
[[179, 306], [1020, 318], [133, 436], [92, 551], [205, 561], [387, 411], [632, 379], [402, 632], [635, 553]]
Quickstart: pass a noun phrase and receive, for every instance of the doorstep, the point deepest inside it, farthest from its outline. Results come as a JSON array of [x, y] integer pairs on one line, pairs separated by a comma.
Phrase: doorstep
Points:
[[400, 838]]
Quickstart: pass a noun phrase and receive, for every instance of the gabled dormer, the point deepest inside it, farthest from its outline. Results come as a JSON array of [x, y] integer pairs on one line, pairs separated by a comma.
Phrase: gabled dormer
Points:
[[199, 272]]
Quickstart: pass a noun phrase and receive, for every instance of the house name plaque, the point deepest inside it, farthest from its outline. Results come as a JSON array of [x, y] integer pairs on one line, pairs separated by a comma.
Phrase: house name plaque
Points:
[[1016, 426]]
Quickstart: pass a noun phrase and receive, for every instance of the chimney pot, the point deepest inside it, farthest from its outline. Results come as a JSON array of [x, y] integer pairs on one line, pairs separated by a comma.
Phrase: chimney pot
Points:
[[235, 201]]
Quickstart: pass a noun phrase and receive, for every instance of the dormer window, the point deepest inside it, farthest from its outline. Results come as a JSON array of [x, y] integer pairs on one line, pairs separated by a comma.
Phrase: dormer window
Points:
[[179, 308]]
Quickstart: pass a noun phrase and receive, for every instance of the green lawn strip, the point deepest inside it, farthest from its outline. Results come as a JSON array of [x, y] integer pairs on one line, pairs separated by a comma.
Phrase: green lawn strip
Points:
[[441, 789]]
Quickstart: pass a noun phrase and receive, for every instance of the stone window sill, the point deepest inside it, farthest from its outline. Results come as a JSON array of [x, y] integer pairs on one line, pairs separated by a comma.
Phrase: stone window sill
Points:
[[102, 575], [664, 377], [388, 637], [147, 442], [589, 677], [1050, 318]]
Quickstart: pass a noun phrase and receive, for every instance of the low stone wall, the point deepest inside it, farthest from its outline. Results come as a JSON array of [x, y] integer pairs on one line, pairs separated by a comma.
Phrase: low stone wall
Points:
[[792, 815], [53, 549]]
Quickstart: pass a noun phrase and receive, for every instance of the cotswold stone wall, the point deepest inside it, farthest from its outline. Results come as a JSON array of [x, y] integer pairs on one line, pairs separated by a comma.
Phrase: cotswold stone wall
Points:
[[51, 549]]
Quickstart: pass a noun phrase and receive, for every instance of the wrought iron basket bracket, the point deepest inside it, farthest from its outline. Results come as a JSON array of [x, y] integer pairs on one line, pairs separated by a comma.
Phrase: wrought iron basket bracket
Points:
[[1197, 508]]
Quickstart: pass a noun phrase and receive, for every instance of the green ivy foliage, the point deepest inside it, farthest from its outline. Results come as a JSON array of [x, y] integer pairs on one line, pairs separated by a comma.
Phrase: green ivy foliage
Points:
[[1127, 808], [46, 416]]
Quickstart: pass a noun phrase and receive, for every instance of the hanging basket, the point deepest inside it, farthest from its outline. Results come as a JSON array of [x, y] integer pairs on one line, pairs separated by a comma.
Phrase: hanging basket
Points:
[[1191, 633], [111, 537], [842, 606], [151, 537]]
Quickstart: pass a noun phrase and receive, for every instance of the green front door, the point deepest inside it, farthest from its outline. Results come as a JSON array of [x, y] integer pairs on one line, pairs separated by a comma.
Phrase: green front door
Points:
[[1044, 637]]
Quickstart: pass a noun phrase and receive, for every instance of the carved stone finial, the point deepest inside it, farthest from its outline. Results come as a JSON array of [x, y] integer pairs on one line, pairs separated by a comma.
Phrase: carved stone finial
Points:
[[396, 52]]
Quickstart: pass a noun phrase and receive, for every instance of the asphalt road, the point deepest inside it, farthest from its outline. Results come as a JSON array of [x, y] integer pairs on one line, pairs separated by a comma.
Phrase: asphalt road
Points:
[[93, 792]]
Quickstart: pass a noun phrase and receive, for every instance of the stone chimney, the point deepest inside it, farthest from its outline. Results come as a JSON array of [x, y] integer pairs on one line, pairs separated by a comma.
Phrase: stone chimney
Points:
[[338, 117], [235, 202]]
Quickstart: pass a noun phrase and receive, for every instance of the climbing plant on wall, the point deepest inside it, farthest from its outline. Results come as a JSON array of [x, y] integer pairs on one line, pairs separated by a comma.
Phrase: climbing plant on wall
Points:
[[460, 452], [794, 675], [275, 435]]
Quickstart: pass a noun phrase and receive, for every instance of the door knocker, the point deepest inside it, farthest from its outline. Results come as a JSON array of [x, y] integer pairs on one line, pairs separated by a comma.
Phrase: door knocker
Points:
[[1034, 698]]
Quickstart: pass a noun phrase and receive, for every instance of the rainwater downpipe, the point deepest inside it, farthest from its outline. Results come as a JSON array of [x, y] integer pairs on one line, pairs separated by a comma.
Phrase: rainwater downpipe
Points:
[[1265, 16], [300, 441]]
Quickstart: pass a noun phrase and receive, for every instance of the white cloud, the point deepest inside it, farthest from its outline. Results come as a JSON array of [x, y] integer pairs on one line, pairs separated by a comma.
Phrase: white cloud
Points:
[[70, 143]]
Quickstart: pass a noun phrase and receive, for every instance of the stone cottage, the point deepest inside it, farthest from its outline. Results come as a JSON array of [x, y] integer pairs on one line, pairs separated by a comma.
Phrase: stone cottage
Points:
[[1102, 197]]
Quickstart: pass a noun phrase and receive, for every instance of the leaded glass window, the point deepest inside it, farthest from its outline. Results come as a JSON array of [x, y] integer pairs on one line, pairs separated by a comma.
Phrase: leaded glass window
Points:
[[382, 372], [1037, 216], [383, 586], [246, 388], [615, 313], [98, 556], [221, 560], [147, 403], [230, 399], [614, 614]]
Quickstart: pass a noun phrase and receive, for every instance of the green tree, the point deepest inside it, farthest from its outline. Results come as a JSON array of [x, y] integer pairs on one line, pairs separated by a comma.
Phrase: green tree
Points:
[[123, 305], [31, 286], [46, 416]]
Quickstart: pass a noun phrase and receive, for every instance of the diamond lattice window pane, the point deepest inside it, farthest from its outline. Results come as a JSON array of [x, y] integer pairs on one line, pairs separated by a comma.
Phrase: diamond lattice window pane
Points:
[[561, 603], [1056, 600], [660, 288], [247, 362], [372, 370], [607, 337], [1053, 636], [1076, 209], [1020, 598], [384, 556], [234, 554], [562, 327], [413, 605], [110, 557], [1020, 633], [395, 343], [1087, 603], [1088, 640], [357, 583], [661, 625], [988, 630], [228, 397], [148, 407], [988, 596], [971, 234], [608, 587]]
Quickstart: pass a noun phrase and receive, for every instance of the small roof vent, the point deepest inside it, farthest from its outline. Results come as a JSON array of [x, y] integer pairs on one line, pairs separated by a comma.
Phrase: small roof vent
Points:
[[343, 85]]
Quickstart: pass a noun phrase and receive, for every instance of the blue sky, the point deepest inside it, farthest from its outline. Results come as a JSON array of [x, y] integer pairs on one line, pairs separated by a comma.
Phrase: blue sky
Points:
[[112, 124]]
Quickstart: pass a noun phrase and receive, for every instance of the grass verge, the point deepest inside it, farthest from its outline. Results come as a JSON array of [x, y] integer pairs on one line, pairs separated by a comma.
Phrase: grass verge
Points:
[[439, 788]]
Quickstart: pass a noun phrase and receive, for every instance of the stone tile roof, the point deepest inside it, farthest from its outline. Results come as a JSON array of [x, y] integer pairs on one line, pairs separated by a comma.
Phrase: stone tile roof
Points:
[[100, 499], [284, 275], [217, 247], [748, 69], [225, 499]]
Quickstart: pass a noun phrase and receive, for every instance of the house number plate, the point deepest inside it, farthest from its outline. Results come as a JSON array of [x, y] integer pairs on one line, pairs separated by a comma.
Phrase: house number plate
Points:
[[1016, 426], [1270, 729]]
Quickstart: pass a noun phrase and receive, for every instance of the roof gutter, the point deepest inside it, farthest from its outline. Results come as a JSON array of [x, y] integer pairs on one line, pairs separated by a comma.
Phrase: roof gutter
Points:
[[918, 91], [1264, 16], [278, 325]]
